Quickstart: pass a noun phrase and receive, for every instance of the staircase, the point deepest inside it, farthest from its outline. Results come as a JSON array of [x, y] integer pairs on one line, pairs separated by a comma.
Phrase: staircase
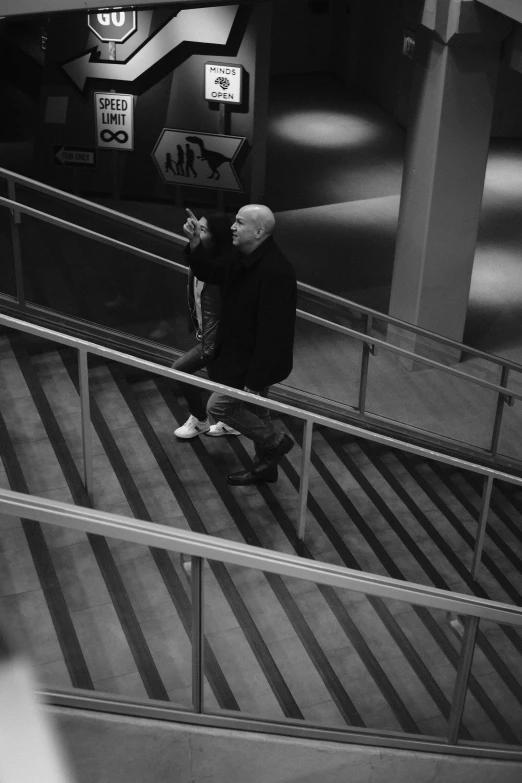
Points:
[[115, 617]]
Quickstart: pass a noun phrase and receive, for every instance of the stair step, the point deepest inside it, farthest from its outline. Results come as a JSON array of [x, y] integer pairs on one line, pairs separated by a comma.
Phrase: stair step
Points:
[[274, 646]]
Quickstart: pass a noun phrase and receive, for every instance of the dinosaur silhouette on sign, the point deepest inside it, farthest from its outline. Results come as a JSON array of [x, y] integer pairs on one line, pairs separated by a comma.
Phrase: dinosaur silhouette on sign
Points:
[[214, 159]]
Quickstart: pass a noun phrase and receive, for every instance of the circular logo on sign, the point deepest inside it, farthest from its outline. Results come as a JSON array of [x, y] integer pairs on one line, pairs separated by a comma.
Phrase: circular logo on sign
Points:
[[223, 82]]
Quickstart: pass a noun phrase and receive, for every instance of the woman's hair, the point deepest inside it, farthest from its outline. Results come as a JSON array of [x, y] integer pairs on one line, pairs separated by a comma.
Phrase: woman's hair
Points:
[[219, 225]]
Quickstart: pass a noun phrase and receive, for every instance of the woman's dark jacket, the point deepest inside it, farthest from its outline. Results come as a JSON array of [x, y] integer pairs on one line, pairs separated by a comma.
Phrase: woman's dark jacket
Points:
[[255, 336], [210, 312]]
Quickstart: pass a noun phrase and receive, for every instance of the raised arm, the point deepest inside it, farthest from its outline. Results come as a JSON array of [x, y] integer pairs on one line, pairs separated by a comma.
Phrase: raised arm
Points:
[[205, 267]]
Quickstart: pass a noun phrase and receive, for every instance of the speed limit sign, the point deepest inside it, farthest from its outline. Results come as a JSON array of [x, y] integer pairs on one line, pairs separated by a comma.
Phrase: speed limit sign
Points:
[[113, 25]]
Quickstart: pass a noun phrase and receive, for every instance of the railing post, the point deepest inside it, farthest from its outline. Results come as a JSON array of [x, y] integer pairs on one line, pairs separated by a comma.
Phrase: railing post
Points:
[[198, 667], [305, 477], [365, 362], [83, 370], [482, 522], [17, 248], [461, 682], [501, 401]]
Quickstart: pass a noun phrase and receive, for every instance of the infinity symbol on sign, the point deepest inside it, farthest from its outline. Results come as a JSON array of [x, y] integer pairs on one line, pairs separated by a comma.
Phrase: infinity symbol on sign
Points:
[[120, 136]]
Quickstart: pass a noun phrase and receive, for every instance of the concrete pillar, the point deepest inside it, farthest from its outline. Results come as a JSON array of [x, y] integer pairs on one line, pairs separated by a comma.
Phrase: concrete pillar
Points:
[[456, 61]]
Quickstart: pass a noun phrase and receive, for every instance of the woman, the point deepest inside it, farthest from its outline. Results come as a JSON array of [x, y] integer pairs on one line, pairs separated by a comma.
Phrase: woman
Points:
[[205, 309]]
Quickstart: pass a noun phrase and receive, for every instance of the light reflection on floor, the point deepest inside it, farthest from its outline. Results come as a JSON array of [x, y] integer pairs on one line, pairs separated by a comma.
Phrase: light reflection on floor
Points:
[[314, 128], [334, 176], [494, 321]]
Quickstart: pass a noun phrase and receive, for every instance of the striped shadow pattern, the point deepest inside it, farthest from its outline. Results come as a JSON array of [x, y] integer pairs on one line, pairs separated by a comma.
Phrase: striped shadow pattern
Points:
[[121, 615]]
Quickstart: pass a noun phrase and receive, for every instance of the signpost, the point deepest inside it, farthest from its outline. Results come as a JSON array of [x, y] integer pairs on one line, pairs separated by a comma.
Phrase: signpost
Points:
[[223, 84], [116, 25], [203, 160], [83, 157], [114, 120]]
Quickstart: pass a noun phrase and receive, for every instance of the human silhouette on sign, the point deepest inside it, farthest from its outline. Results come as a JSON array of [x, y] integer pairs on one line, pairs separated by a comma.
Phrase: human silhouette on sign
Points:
[[169, 163], [180, 161], [189, 157], [214, 159]]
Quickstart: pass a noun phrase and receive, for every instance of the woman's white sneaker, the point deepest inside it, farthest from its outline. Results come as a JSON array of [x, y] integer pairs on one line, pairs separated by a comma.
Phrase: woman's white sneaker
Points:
[[216, 430], [192, 428]]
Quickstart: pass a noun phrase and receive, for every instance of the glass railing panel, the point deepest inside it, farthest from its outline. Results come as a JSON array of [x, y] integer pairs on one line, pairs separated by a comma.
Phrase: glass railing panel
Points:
[[326, 363], [341, 314], [162, 216], [165, 216], [509, 442], [110, 287], [432, 347], [410, 393], [116, 618], [493, 707], [26, 613], [7, 273], [240, 673], [333, 657], [500, 572], [97, 613]]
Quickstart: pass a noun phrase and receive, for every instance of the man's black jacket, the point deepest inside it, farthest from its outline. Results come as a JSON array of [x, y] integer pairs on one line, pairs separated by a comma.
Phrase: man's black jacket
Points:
[[255, 338]]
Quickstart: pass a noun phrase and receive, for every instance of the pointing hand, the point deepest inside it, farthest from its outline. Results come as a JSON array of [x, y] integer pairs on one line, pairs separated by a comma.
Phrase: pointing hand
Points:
[[192, 229]]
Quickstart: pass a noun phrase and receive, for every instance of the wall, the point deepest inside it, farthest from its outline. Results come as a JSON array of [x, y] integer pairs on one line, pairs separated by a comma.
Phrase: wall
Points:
[[112, 749], [21, 60], [372, 62], [168, 95], [367, 55], [302, 37], [507, 115]]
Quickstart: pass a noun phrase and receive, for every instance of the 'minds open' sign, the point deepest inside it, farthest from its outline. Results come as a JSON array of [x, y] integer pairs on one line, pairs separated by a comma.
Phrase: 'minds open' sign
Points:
[[223, 82]]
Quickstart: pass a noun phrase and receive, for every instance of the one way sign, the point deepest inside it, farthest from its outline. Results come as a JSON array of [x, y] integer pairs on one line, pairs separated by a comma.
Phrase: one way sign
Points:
[[74, 156]]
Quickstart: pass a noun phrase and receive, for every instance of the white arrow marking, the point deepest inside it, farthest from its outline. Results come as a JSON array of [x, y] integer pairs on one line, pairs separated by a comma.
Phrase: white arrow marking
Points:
[[60, 155], [201, 25]]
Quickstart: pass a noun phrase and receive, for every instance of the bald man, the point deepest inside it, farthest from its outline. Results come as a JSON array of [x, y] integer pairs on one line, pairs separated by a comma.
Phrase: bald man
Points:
[[255, 338]]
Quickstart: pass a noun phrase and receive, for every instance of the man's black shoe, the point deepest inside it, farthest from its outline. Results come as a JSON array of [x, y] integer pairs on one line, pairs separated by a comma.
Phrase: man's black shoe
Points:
[[254, 476], [272, 456]]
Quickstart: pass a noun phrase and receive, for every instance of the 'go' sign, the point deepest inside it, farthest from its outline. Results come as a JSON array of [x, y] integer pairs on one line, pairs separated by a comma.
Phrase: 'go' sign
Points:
[[115, 25]]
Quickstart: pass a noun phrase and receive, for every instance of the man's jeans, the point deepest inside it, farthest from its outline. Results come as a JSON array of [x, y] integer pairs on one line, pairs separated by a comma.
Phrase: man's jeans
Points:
[[251, 420], [191, 362]]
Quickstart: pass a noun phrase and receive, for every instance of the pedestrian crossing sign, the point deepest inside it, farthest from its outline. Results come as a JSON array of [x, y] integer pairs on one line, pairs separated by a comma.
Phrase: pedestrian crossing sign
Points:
[[204, 160]]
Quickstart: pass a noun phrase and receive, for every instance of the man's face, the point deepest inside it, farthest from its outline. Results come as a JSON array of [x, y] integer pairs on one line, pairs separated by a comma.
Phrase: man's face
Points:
[[244, 232]]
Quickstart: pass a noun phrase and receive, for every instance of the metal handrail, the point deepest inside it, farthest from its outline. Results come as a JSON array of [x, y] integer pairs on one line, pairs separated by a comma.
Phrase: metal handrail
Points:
[[201, 547], [375, 341], [91, 206], [508, 394], [303, 287], [209, 547], [149, 533], [90, 234], [391, 320], [280, 407], [310, 419]]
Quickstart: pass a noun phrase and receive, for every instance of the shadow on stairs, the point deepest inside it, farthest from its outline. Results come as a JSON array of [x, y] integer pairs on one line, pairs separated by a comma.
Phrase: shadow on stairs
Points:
[[112, 616]]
